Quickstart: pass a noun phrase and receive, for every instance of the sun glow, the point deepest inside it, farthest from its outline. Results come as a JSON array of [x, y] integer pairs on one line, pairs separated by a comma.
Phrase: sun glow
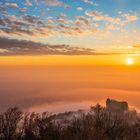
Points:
[[129, 61]]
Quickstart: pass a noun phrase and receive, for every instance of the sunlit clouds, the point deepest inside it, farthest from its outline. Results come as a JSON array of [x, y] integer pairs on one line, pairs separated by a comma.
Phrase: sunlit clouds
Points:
[[83, 23]]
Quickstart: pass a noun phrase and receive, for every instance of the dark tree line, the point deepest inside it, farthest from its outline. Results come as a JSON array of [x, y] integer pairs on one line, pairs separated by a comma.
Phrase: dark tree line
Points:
[[98, 124]]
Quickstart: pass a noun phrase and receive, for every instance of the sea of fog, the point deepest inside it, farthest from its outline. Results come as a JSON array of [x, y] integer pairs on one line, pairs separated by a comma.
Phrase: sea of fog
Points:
[[63, 88]]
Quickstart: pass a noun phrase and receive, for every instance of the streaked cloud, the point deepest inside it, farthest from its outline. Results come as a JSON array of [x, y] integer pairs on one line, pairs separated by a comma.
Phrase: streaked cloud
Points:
[[22, 47]]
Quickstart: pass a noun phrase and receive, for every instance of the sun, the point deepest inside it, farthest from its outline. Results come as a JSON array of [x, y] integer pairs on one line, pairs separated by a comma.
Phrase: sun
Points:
[[129, 61]]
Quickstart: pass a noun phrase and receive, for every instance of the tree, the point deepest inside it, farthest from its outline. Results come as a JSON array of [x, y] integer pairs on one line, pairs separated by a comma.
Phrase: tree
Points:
[[9, 123]]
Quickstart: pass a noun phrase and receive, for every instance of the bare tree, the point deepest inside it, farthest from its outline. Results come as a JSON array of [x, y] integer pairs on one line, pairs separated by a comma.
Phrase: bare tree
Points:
[[98, 124], [29, 127], [9, 122]]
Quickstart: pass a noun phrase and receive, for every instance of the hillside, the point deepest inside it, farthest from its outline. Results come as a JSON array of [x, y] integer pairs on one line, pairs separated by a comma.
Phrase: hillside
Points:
[[113, 122]]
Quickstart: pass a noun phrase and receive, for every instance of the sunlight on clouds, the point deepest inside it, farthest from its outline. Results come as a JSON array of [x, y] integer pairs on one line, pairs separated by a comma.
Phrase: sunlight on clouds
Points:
[[44, 21]]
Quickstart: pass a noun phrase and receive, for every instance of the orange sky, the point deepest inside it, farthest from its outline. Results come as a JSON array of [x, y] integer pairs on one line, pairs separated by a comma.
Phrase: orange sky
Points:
[[58, 82], [69, 60]]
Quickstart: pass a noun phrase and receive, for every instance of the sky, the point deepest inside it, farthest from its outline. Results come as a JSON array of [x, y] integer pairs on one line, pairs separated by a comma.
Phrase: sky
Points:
[[70, 27], [69, 54]]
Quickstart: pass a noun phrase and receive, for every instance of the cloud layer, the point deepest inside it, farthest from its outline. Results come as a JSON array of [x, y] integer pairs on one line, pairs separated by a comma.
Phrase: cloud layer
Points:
[[23, 24], [22, 47], [81, 22]]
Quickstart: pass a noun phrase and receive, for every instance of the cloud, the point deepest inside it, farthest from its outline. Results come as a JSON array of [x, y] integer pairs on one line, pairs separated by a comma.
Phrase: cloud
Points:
[[30, 19], [2, 8], [22, 10], [2, 23], [12, 47], [85, 20], [53, 2], [22, 47], [98, 16], [121, 20], [21, 26], [136, 46], [67, 6], [62, 19], [32, 25], [28, 3], [130, 18], [79, 9], [12, 5], [88, 1]]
